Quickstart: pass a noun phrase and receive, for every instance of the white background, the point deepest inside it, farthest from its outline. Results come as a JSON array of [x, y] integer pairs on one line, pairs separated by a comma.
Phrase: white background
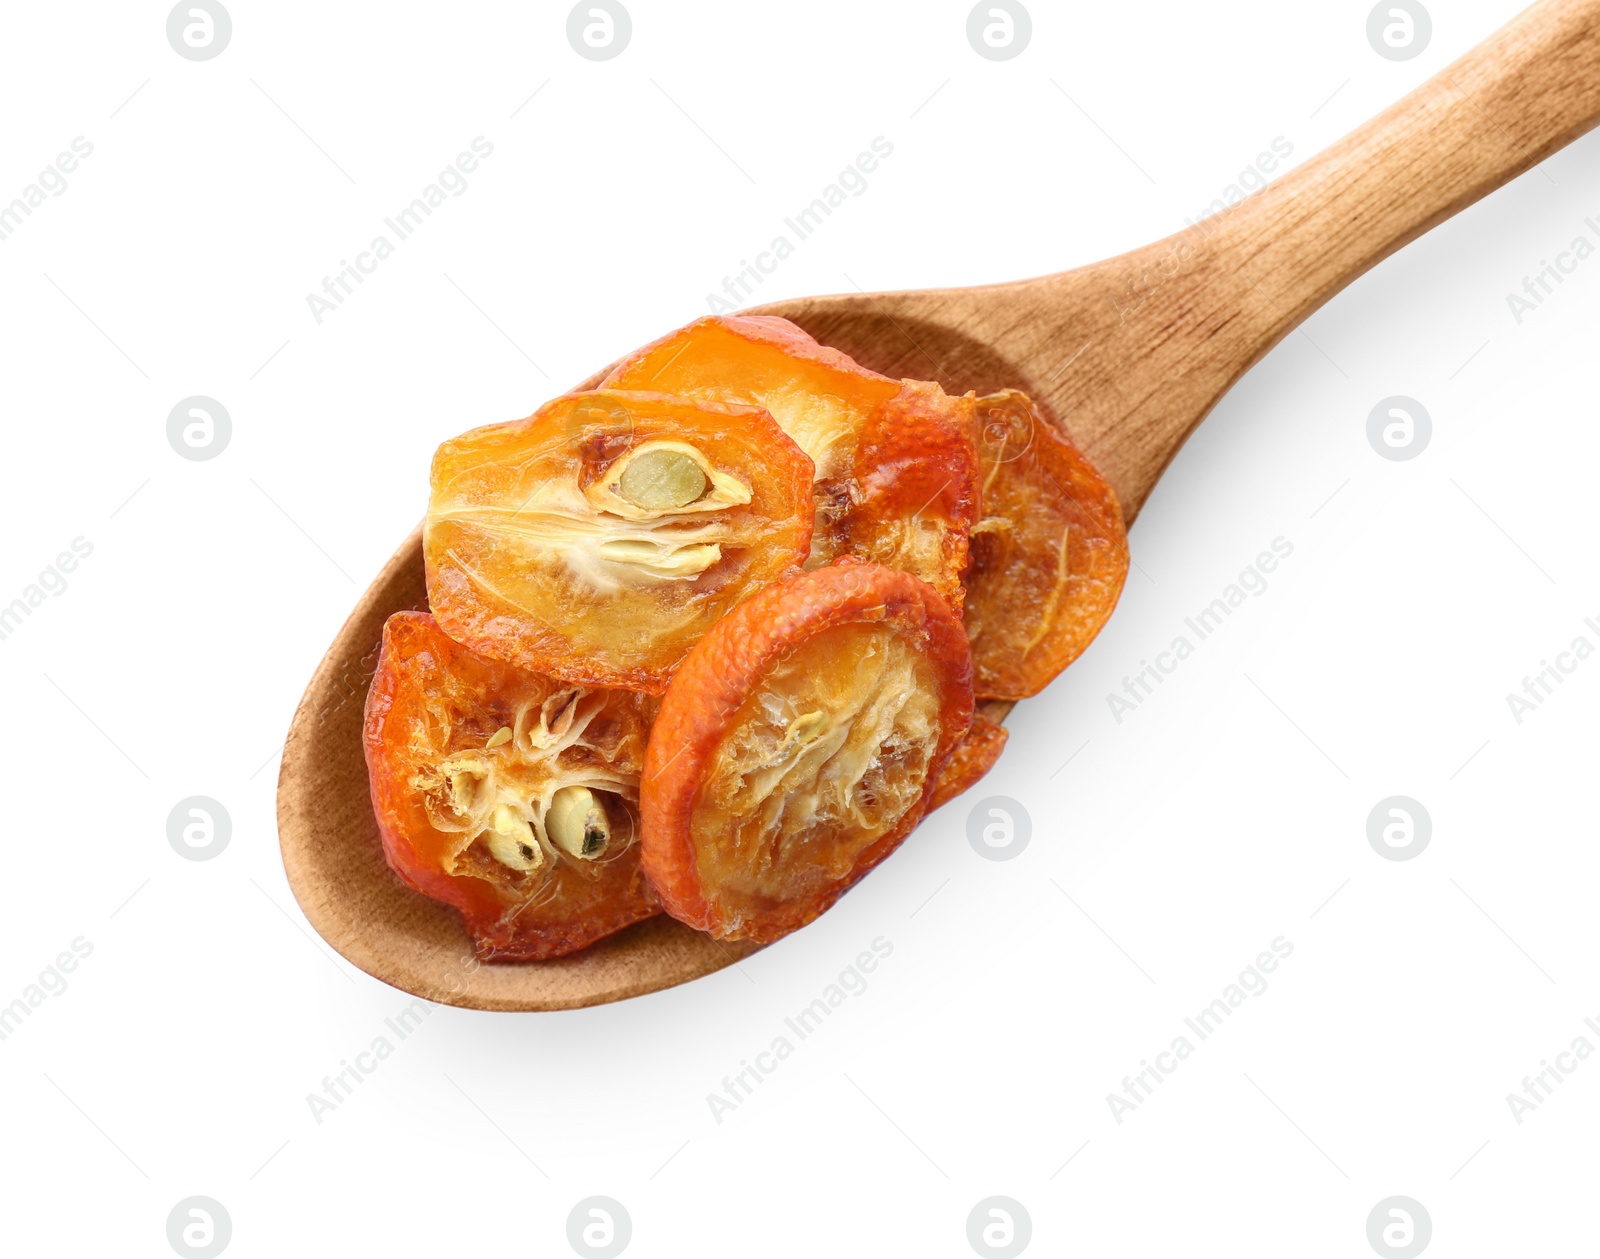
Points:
[[1223, 813]]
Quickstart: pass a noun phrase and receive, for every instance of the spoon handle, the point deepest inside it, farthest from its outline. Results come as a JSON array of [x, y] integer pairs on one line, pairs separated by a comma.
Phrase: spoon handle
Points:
[[1170, 327], [1526, 91]]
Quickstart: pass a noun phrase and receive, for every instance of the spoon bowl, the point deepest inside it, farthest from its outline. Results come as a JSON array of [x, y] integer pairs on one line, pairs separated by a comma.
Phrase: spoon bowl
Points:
[[1128, 355]]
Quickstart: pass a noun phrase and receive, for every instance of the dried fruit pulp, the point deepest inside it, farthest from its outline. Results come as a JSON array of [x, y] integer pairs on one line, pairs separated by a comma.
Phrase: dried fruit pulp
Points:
[[1049, 556], [786, 810], [896, 472], [797, 746], [536, 555], [437, 783]]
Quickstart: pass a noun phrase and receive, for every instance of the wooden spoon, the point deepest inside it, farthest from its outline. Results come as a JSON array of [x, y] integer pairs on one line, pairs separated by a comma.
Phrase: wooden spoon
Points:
[[1130, 354]]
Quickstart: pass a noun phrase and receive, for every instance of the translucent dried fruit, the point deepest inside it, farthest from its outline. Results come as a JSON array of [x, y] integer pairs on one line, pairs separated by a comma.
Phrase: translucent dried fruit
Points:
[[972, 758], [896, 471], [916, 488], [1049, 556], [465, 812], [797, 747], [598, 539]]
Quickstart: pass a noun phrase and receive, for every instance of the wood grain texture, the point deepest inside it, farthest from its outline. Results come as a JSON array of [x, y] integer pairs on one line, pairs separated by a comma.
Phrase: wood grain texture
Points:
[[1128, 354]]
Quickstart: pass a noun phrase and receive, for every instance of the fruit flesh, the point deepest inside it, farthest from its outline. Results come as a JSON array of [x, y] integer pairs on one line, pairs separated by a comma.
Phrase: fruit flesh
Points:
[[443, 774], [1048, 557], [896, 472], [797, 747], [557, 542], [784, 813], [917, 489]]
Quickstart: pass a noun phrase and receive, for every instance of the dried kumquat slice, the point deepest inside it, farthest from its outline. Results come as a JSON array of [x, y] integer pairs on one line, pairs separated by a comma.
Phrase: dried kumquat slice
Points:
[[896, 470], [598, 539], [1049, 556], [507, 794], [972, 758], [798, 745], [917, 489]]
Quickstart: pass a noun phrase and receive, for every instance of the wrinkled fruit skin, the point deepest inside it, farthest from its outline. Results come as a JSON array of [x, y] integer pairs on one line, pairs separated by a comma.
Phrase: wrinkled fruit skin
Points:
[[972, 758], [432, 699], [798, 746], [1049, 557], [524, 522], [896, 468]]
